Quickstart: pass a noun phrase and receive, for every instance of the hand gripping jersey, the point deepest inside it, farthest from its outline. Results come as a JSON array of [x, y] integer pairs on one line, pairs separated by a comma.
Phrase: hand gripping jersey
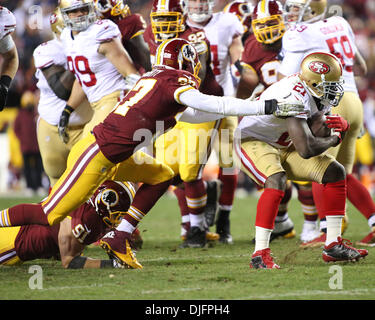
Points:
[[197, 37], [152, 104], [333, 35], [220, 31], [269, 128], [50, 106], [41, 242], [263, 60], [96, 74], [7, 22]]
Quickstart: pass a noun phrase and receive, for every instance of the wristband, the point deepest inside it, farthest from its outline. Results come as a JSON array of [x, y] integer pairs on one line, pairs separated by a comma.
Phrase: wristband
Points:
[[6, 80], [270, 106], [68, 109], [77, 262]]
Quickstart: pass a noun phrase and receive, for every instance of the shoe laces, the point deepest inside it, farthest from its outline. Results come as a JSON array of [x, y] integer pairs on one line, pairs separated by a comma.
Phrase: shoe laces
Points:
[[345, 242], [267, 256]]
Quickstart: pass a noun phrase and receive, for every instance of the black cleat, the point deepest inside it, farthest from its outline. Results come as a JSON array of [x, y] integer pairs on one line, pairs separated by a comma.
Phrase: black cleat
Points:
[[341, 250], [212, 206], [195, 238], [223, 227]]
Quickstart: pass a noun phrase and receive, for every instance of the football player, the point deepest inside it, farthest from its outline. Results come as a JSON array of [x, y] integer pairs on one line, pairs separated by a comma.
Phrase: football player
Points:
[[193, 150], [272, 150], [55, 82], [8, 52], [96, 56], [260, 62], [309, 31], [67, 240], [152, 105], [132, 27], [224, 32]]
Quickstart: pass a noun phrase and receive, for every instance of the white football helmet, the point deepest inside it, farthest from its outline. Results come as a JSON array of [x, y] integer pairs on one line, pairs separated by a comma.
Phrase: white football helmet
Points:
[[79, 23]]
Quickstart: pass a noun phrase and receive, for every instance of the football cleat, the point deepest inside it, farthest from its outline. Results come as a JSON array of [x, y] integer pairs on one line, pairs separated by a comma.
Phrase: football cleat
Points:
[[117, 245], [262, 259], [212, 205], [369, 240], [223, 227], [341, 250], [284, 229], [195, 238], [210, 236], [317, 242]]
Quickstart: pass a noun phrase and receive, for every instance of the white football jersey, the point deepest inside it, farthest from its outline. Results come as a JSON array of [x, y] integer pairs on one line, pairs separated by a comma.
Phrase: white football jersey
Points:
[[7, 22], [269, 128], [50, 106], [220, 31], [96, 74], [332, 35]]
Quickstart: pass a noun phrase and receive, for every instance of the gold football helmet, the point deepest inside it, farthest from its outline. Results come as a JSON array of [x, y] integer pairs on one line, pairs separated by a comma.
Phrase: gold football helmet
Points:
[[321, 73], [56, 22], [81, 22], [304, 10]]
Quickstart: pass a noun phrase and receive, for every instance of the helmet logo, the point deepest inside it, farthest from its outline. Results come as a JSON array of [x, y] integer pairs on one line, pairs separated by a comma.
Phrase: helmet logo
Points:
[[188, 53], [110, 197], [319, 67], [53, 18]]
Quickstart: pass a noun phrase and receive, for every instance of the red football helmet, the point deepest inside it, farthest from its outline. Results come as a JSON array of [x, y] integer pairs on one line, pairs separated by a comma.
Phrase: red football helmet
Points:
[[179, 54], [167, 19], [267, 21], [112, 9], [243, 10], [111, 200]]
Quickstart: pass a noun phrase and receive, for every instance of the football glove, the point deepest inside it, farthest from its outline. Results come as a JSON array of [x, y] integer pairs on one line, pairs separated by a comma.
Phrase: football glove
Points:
[[337, 123], [288, 108], [64, 122], [4, 87]]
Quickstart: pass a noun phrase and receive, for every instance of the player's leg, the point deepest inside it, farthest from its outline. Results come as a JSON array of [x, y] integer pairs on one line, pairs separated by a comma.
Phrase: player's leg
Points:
[[262, 163], [8, 253], [330, 175], [53, 150], [228, 175]]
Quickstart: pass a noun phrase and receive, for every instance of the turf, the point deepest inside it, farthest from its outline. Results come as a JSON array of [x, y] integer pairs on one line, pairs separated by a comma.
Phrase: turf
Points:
[[219, 272]]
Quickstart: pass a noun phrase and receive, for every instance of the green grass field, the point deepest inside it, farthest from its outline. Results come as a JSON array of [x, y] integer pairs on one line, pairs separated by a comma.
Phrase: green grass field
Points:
[[217, 272]]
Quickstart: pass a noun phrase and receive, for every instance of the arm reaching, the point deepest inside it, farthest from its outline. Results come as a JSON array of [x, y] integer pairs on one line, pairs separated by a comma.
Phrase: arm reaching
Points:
[[229, 106]]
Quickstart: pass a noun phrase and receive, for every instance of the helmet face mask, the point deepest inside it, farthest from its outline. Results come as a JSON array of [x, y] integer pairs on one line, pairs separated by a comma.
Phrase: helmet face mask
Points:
[[78, 15], [167, 19], [267, 21], [322, 75], [200, 11]]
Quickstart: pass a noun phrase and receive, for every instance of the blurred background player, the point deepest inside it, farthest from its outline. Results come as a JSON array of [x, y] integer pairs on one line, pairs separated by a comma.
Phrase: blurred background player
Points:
[[193, 140], [224, 32], [8, 52], [98, 60], [132, 27], [66, 241], [309, 31], [25, 130], [55, 83], [266, 157]]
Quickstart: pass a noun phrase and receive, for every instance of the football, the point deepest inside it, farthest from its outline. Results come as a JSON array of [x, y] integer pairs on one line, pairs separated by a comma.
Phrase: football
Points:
[[317, 125]]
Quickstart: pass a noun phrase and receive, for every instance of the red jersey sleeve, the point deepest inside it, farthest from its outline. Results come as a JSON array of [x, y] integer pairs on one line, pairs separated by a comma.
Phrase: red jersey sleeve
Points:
[[131, 26]]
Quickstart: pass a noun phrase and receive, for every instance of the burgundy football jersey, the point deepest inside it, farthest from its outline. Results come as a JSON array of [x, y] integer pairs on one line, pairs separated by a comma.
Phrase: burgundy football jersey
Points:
[[41, 242], [264, 60], [149, 107], [130, 25], [209, 85]]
